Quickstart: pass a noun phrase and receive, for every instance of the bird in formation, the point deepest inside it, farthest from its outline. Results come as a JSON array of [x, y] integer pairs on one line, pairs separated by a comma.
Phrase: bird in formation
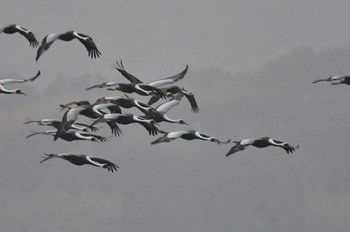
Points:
[[260, 143], [56, 123], [15, 28], [159, 114], [72, 135], [141, 89], [127, 102], [125, 119], [342, 79], [156, 83], [81, 159], [86, 40], [186, 135], [170, 91], [16, 80], [174, 90], [68, 119]]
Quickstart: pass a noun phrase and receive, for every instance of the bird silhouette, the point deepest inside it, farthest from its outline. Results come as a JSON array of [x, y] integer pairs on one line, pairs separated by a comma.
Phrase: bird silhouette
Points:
[[186, 135], [156, 83], [18, 80], [71, 135], [261, 142], [15, 28], [86, 40], [81, 159], [125, 119]]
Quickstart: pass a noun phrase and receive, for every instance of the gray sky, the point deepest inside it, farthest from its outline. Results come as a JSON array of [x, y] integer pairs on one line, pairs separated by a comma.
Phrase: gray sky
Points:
[[251, 67]]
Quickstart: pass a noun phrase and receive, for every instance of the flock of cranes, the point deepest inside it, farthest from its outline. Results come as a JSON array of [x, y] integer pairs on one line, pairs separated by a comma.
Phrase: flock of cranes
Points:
[[110, 110]]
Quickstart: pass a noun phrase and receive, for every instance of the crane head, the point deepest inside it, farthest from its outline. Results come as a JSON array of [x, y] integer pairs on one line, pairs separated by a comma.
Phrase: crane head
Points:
[[18, 91]]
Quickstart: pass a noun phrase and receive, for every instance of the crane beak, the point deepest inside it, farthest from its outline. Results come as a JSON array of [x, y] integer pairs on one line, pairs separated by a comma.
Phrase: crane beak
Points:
[[29, 121], [92, 87], [319, 80], [47, 157]]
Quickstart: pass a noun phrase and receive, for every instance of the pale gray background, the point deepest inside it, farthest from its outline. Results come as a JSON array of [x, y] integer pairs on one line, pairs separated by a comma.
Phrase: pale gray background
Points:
[[251, 67]]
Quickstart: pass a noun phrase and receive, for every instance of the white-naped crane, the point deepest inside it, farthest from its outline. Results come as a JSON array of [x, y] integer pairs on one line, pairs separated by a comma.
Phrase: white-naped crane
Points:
[[343, 79], [81, 159], [127, 102], [15, 80], [86, 40], [103, 85], [74, 104], [72, 135], [141, 89], [174, 90], [186, 135], [105, 107], [57, 122], [68, 119], [89, 111], [156, 83], [15, 28], [160, 112], [92, 112], [125, 119], [261, 142]]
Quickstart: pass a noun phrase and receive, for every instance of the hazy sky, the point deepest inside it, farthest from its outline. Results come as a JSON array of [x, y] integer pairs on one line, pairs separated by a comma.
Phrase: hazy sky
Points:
[[251, 67]]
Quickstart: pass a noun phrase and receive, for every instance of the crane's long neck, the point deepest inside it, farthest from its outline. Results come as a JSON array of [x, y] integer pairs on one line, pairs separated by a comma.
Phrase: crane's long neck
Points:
[[93, 162], [276, 143], [167, 119], [83, 137], [7, 91]]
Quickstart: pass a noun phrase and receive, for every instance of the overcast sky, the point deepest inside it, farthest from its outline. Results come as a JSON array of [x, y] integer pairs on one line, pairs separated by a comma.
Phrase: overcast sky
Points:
[[251, 67]]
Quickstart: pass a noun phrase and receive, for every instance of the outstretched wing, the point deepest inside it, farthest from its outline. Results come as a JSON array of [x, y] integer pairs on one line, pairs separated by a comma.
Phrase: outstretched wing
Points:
[[153, 99], [116, 131], [120, 67], [288, 148], [89, 45], [105, 164], [155, 90], [235, 148], [151, 128], [169, 80], [34, 77], [28, 35], [19, 80], [166, 106], [192, 100]]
